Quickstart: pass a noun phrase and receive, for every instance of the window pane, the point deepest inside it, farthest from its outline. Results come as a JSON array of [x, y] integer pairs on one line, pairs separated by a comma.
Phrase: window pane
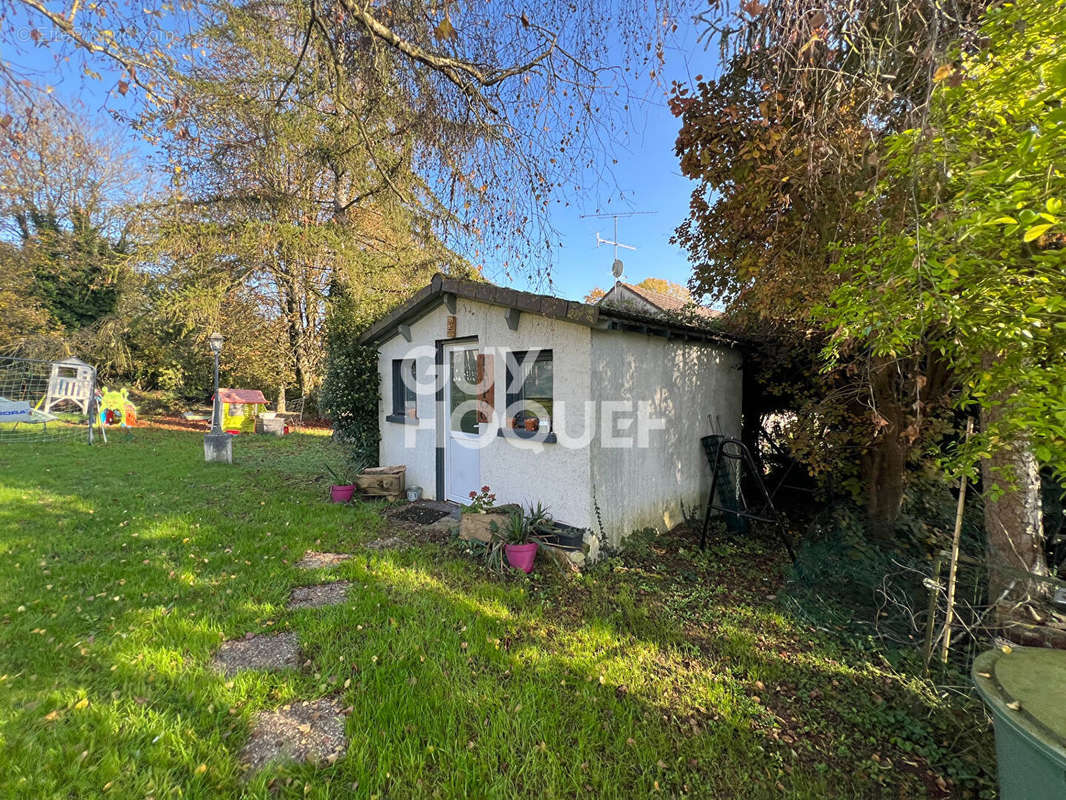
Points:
[[539, 381], [463, 390], [410, 382], [533, 391], [409, 394]]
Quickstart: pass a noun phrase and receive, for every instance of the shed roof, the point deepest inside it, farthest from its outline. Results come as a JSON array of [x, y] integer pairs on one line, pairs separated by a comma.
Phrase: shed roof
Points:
[[249, 396], [443, 289]]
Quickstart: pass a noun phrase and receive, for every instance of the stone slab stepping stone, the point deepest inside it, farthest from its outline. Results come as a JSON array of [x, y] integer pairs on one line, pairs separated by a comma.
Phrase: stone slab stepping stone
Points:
[[314, 560], [311, 731], [321, 594], [272, 652], [388, 543]]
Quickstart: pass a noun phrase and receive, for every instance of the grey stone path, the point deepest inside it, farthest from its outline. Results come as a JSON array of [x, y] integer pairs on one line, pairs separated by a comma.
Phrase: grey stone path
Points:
[[319, 595], [314, 560], [271, 652], [311, 730]]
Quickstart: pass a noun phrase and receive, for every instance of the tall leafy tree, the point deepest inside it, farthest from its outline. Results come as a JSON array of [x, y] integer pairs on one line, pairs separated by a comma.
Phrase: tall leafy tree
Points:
[[277, 197], [781, 144], [973, 266], [507, 109], [65, 195]]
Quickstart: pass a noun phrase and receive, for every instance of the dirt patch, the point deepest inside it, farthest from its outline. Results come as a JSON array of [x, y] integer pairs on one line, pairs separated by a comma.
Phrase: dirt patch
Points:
[[275, 652], [387, 543], [422, 515], [314, 560], [309, 731], [424, 522], [322, 594]]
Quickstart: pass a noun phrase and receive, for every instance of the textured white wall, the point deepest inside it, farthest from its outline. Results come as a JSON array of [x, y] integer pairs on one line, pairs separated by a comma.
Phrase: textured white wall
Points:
[[683, 383], [405, 444], [518, 471]]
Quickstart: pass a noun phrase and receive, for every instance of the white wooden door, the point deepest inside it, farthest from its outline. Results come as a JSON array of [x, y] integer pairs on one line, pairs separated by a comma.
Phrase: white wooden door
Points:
[[462, 462]]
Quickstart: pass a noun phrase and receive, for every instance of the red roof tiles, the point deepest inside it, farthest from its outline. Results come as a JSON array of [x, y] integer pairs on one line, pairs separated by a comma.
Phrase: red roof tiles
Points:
[[249, 396]]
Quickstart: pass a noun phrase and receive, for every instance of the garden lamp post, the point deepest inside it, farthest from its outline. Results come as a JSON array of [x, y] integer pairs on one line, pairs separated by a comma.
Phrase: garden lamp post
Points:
[[218, 446], [215, 341]]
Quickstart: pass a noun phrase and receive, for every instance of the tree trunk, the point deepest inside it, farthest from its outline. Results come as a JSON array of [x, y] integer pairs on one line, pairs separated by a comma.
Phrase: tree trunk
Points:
[[884, 469], [884, 463], [279, 406], [1014, 527]]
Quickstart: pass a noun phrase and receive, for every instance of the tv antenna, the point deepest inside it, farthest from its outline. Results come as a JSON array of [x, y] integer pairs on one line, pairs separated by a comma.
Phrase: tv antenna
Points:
[[616, 266]]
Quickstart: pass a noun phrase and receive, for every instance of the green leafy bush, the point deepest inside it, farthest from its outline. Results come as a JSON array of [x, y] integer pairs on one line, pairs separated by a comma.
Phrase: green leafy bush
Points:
[[349, 398]]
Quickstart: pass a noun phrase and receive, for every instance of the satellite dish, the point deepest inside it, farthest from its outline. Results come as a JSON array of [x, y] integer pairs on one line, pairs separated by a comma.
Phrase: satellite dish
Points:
[[616, 268]]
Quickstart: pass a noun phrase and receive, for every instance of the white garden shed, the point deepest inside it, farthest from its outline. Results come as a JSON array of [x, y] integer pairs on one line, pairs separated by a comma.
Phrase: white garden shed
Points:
[[594, 411]]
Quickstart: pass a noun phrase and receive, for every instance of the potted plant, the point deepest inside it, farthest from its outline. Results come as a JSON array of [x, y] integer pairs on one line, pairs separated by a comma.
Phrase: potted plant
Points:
[[343, 486], [568, 537], [478, 516], [520, 551], [543, 527], [539, 521], [482, 501]]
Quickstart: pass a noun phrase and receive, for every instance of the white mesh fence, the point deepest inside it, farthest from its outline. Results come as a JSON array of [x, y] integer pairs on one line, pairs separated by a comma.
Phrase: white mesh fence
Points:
[[46, 400]]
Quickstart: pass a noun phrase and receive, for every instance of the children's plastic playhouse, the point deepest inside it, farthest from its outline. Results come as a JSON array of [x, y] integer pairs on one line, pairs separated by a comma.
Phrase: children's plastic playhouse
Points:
[[240, 407]]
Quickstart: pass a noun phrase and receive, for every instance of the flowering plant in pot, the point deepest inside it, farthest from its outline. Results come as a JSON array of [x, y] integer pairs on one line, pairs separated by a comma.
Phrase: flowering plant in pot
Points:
[[482, 501], [519, 549]]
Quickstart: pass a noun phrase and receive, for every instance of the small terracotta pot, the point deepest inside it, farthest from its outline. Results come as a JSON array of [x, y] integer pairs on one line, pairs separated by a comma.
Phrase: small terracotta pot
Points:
[[521, 556], [341, 494]]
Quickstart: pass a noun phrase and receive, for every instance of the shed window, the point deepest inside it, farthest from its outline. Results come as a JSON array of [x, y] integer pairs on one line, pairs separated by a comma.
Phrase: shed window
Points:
[[236, 410], [529, 388], [403, 387]]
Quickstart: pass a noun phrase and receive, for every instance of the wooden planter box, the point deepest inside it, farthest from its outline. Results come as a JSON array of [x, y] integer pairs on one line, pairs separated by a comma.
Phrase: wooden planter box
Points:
[[388, 482]]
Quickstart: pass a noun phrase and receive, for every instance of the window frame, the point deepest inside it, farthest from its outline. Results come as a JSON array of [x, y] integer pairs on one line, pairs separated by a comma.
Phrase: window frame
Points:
[[516, 394], [402, 392]]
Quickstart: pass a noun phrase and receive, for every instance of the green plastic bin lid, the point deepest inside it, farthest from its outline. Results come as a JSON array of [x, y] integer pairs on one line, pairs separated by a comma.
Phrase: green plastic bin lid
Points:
[[1027, 687]]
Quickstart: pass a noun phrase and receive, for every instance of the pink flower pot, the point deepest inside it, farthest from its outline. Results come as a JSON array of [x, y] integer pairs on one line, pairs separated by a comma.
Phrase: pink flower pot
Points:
[[341, 494], [521, 556]]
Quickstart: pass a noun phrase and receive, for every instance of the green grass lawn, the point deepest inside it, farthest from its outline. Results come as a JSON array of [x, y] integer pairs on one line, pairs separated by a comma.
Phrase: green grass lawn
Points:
[[662, 671]]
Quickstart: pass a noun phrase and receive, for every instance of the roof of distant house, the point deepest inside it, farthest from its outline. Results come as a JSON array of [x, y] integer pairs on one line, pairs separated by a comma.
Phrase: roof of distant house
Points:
[[669, 303], [249, 396]]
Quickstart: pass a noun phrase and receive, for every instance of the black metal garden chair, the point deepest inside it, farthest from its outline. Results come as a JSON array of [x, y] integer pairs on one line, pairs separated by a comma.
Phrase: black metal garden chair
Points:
[[729, 459]]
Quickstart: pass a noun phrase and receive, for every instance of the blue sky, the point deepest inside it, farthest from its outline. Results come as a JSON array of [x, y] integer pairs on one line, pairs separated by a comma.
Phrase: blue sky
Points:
[[647, 173]]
